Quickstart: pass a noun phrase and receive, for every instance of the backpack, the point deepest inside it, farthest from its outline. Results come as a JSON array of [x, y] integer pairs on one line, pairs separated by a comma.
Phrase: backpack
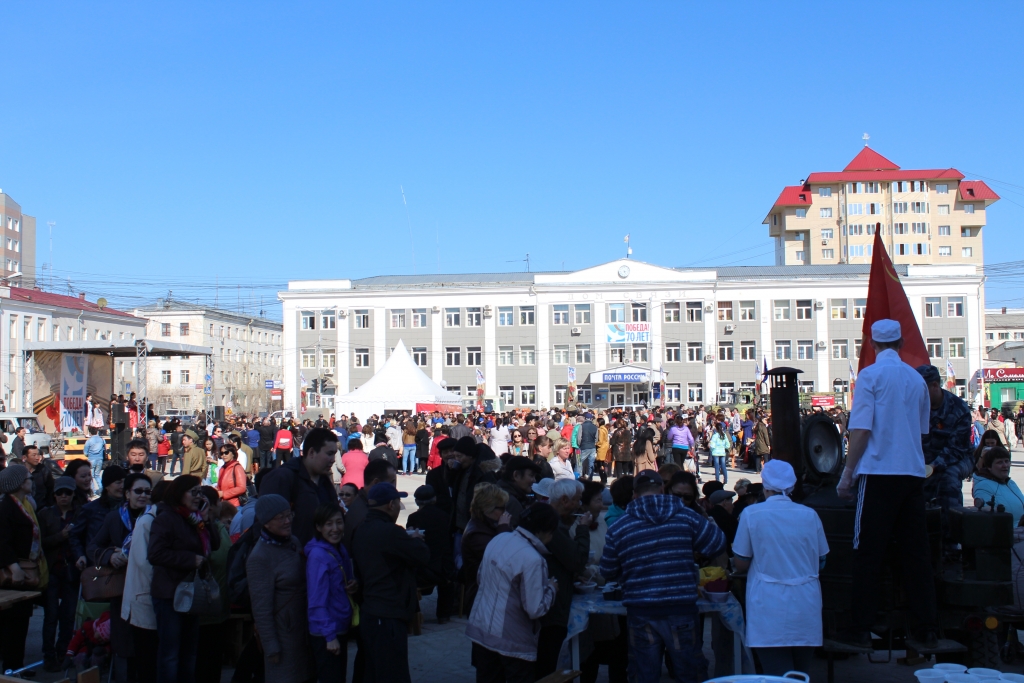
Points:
[[238, 581]]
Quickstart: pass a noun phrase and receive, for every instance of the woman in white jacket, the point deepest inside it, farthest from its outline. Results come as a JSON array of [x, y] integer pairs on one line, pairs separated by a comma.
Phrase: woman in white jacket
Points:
[[515, 591], [137, 606]]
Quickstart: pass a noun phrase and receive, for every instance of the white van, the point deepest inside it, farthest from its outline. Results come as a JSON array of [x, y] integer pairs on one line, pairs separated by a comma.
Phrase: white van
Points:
[[9, 423]]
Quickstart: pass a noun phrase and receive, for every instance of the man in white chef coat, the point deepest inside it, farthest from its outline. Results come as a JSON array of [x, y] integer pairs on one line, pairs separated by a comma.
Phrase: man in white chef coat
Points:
[[885, 474], [783, 545]]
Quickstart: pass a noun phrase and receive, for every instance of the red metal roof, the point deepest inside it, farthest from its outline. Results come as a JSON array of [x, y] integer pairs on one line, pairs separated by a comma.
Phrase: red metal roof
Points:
[[794, 195], [976, 190], [850, 176], [73, 302], [870, 160]]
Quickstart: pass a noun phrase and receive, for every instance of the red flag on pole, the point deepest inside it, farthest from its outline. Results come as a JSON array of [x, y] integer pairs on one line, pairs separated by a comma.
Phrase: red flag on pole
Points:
[[886, 299]]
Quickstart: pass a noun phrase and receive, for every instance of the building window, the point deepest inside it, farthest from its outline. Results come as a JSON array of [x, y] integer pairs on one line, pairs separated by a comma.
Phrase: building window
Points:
[[672, 312], [473, 316], [526, 315], [955, 307], [452, 356], [561, 354], [783, 349], [672, 352], [803, 309], [748, 310], [327, 320], [455, 390], [583, 354], [527, 355], [527, 395], [968, 208], [945, 251], [638, 353], [165, 329], [966, 232], [825, 212], [582, 313], [944, 231], [967, 252], [506, 355], [828, 254], [308, 320], [694, 311], [933, 307], [617, 353], [398, 318], [943, 209], [856, 348], [899, 207], [419, 317], [308, 358], [840, 349], [801, 213], [507, 395], [838, 307], [694, 352], [452, 317], [854, 209], [328, 358], [616, 313], [827, 233], [934, 347], [695, 392], [800, 256], [639, 312], [960, 388], [165, 377], [805, 349], [673, 393], [824, 191], [184, 376], [559, 394], [748, 350], [957, 347], [781, 309], [362, 358], [361, 319], [725, 310], [584, 394], [805, 387], [725, 350], [560, 314], [419, 356], [726, 392], [473, 355], [505, 316], [942, 189]]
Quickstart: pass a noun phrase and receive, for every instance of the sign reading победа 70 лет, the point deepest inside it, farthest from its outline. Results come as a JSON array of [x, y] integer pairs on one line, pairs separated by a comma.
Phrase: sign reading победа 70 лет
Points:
[[628, 333]]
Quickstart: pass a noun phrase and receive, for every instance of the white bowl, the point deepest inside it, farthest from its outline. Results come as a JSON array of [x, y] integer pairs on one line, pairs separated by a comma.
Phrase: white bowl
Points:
[[930, 676], [962, 678], [951, 668], [1012, 678], [985, 673], [717, 597]]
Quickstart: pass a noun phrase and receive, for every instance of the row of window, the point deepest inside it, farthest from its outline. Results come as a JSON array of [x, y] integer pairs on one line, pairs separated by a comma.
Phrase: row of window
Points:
[[1003, 336], [13, 245], [13, 224], [185, 377], [240, 356], [878, 209], [57, 333]]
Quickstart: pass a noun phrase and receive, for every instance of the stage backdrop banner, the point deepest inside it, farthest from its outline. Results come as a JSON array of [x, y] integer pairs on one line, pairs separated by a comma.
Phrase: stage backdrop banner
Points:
[[74, 378]]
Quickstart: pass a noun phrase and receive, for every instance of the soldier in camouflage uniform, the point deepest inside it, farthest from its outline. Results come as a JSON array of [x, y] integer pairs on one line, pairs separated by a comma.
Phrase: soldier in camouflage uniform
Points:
[[947, 445]]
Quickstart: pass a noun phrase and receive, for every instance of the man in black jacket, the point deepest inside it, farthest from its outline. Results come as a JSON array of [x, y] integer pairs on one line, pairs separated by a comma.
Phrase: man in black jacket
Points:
[[267, 432], [443, 479], [435, 524], [383, 451], [306, 482], [39, 473], [376, 472], [386, 559], [517, 480]]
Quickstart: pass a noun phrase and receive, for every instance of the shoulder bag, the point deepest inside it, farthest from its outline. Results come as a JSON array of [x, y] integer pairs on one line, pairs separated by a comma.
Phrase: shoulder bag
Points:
[[31, 569], [101, 584], [198, 594]]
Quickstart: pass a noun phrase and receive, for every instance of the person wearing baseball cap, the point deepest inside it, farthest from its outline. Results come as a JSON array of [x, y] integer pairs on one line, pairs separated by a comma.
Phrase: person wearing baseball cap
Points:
[[517, 480], [650, 550], [387, 559], [783, 545], [885, 474]]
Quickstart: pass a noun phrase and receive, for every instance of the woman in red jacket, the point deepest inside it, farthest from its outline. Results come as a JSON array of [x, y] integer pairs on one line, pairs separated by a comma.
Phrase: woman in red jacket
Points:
[[231, 480]]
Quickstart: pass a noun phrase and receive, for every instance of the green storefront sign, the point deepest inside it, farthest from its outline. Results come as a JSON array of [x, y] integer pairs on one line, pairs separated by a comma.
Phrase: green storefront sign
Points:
[[1003, 386]]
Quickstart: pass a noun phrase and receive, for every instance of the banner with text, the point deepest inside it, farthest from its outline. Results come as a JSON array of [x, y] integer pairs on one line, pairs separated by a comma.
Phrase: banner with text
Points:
[[629, 333], [74, 375]]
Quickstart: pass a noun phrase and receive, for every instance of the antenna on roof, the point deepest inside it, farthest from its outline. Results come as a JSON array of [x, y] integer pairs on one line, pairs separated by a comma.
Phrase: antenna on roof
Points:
[[865, 138]]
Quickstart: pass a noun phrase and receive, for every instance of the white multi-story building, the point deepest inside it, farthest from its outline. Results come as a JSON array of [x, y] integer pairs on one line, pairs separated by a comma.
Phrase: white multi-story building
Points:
[[708, 329], [246, 354]]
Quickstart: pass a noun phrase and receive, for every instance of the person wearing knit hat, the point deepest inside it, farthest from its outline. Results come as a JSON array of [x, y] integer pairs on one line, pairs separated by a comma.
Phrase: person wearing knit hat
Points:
[[13, 477], [783, 546], [89, 519], [270, 505]]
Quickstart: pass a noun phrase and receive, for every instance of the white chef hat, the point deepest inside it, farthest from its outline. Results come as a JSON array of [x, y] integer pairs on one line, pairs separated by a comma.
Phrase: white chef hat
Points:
[[778, 475], [885, 331]]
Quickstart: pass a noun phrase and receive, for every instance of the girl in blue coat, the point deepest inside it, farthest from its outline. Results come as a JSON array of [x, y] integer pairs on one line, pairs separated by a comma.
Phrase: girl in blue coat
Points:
[[330, 580]]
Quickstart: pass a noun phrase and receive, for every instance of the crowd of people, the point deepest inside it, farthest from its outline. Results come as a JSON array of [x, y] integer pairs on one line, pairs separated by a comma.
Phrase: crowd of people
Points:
[[142, 559]]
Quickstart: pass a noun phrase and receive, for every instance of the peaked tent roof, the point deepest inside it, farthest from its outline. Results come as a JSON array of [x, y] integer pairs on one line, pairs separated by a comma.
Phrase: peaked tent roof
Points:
[[870, 160], [398, 385]]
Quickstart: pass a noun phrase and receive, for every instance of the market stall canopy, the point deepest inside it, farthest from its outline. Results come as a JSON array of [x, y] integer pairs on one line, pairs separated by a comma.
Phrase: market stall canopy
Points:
[[398, 385], [625, 374]]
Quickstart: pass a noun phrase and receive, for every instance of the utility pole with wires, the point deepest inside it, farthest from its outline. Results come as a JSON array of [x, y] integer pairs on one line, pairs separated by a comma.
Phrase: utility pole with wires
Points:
[[527, 261]]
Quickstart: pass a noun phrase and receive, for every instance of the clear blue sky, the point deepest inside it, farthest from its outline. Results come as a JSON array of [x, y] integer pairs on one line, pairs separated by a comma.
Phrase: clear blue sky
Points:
[[181, 145]]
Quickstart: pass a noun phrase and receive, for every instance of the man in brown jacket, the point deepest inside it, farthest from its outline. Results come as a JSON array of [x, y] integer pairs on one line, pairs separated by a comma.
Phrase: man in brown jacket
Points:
[[195, 456], [762, 443]]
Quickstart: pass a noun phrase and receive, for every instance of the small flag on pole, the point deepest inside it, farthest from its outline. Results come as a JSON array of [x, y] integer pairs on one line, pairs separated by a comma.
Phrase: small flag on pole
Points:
[[950, 375]]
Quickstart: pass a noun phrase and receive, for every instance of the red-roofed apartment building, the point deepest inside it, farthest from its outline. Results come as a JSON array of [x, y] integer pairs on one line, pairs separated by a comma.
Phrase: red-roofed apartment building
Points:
[[928, 216]]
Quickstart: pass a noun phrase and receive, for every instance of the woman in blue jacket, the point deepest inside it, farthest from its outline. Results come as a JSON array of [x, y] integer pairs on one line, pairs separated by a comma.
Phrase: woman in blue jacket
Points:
[[330, 581]]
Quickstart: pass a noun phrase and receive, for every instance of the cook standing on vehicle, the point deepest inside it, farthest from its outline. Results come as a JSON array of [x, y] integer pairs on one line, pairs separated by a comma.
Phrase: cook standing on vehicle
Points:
[[783, 545], [885, 474]]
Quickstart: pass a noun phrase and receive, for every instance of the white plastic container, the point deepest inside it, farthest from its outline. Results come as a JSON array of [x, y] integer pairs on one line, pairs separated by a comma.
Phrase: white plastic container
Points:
[[930, 675], [982, 672], [962, 678], [1012, 678], [951, 668]]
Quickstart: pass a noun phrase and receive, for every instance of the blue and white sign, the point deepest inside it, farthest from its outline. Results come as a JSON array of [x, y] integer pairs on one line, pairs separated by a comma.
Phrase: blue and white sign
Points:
[[74, 375], [619, 377], [269, 384], [628, 333]]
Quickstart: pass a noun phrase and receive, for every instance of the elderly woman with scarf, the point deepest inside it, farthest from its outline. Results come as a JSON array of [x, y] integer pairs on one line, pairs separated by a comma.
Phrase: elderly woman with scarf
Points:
[[20, 540], [180, 541], [111, 547], [993, 486]]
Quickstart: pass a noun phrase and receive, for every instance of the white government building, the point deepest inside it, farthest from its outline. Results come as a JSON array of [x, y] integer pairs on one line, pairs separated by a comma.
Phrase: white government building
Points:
[[521, 334]]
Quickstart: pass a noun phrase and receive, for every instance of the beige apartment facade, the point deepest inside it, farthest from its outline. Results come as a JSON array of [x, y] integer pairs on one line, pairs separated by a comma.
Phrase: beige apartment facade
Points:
[[926, 216], [18, 242]]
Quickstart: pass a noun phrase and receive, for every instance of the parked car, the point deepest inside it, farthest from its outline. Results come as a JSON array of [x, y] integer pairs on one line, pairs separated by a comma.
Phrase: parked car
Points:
[[9, 423]]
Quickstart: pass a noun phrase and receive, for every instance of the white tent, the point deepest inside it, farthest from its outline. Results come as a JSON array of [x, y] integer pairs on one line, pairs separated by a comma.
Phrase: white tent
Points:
[[398, 385]]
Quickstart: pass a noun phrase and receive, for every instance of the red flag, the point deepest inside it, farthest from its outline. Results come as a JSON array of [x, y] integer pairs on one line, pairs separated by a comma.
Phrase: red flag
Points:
[[886, 299]]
